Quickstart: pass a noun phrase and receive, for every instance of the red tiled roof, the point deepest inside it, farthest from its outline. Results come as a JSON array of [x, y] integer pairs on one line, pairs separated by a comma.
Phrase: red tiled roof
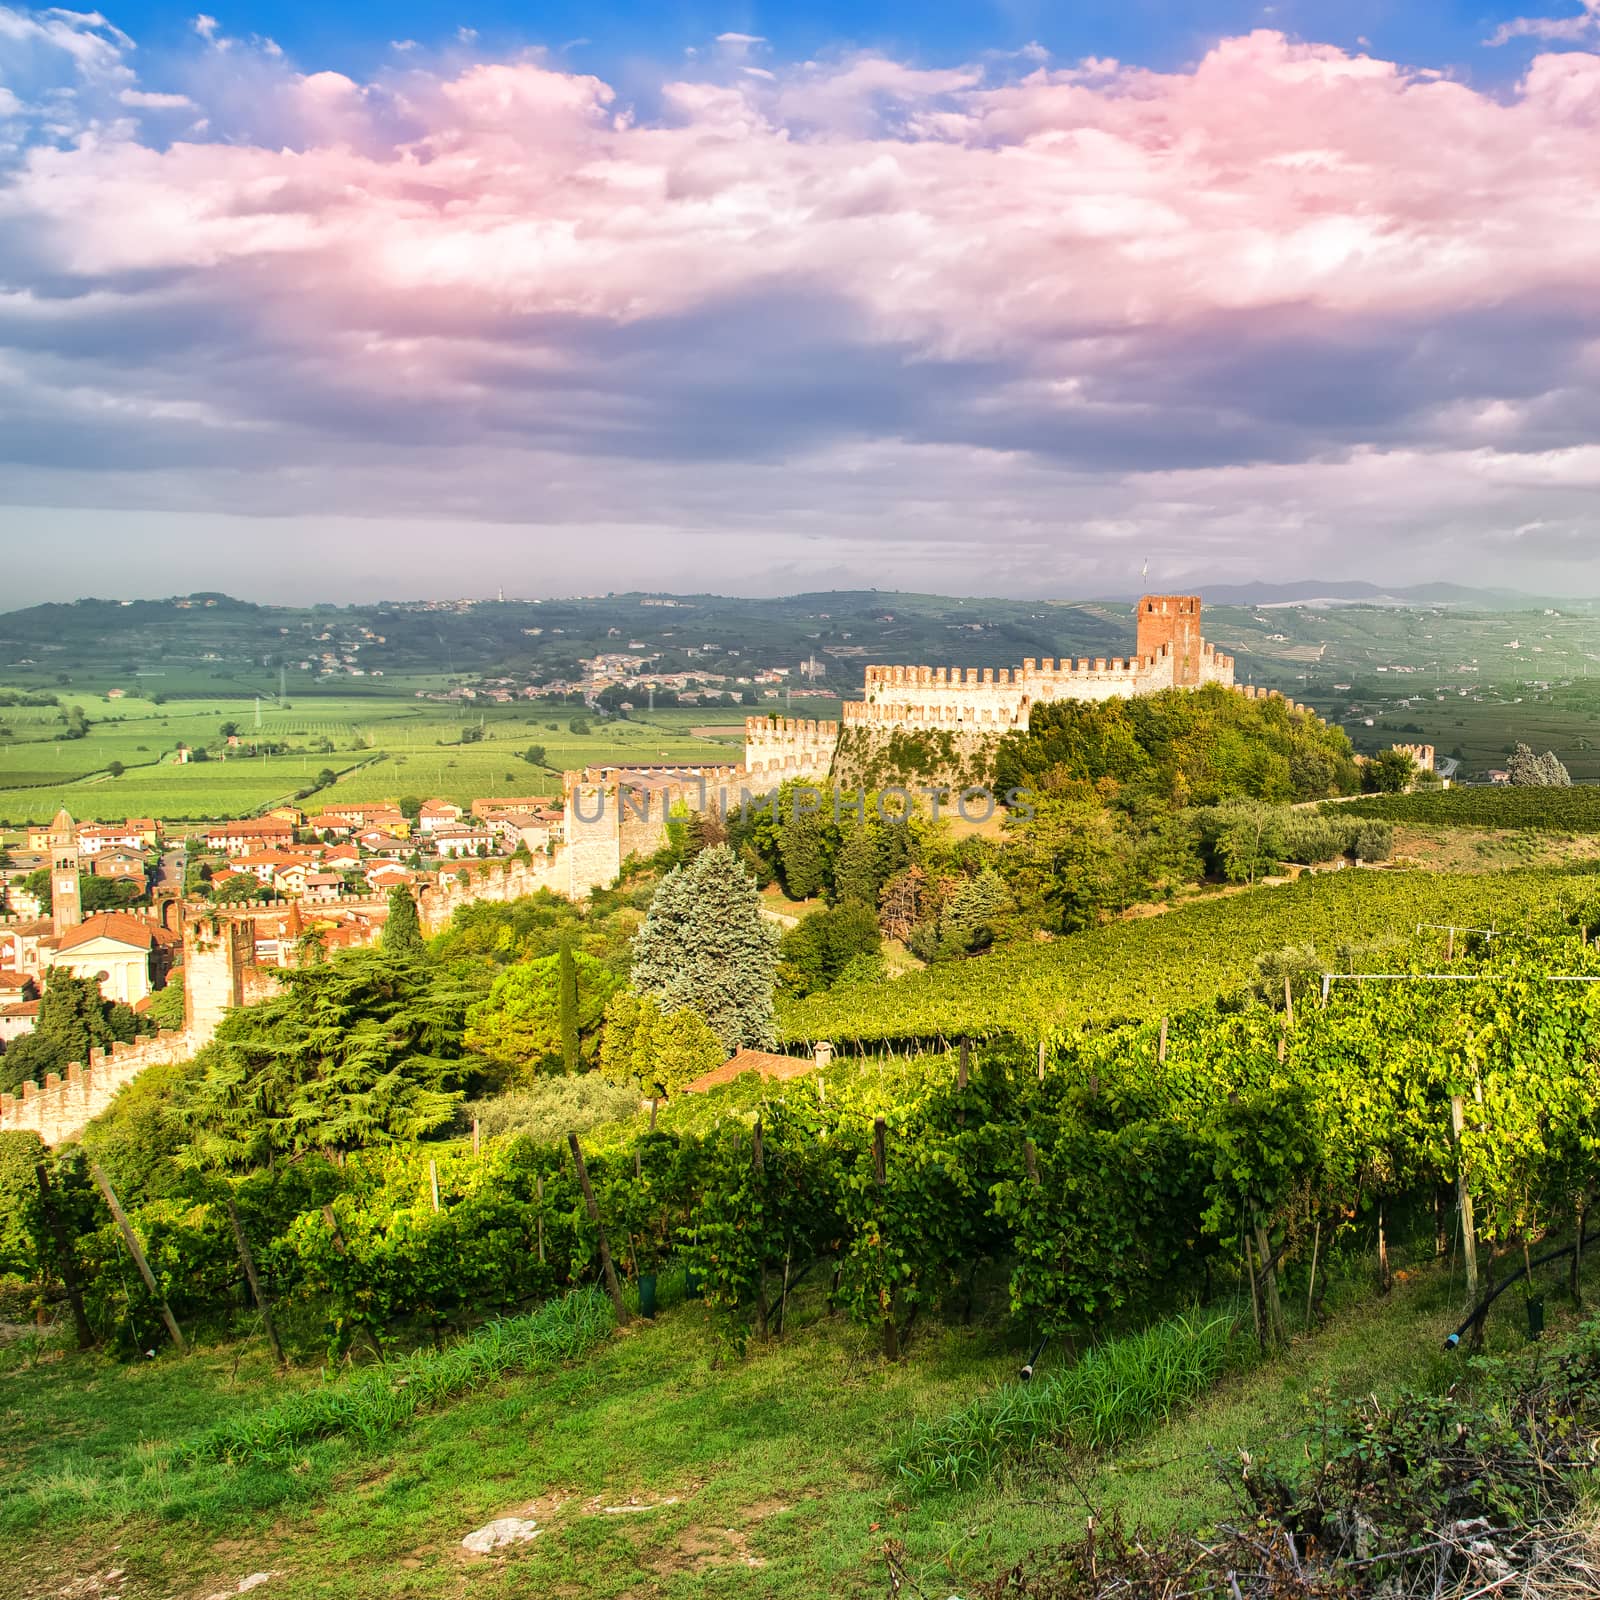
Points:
[[764, 1062], [21, 1008], [118, 925]]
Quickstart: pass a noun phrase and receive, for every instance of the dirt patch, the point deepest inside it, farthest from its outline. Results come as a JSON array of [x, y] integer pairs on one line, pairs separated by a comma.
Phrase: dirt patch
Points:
[[698, 1549]]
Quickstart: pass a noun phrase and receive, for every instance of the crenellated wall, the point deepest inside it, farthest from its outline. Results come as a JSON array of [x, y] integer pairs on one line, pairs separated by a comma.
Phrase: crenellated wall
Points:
[[61, 1109]]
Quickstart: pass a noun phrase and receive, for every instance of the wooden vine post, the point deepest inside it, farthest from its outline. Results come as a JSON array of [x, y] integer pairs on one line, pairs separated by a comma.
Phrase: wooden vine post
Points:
[[66, 1257], [248, 1262], [433, 1183], [609, 1272], [474, 1138], [1288, 1001], [880, 1173], [1161, 1047], [1469, 1237], [134, 1249], [1041, 1061]]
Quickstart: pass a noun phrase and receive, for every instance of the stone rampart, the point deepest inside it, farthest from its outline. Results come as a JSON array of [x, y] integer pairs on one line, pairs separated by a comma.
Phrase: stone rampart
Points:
[[65, 1105]]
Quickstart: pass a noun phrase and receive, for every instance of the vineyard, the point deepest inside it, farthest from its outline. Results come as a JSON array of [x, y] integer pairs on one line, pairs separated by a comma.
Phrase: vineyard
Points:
[[1113, 1173], [1186, 957], [1553, 810], [1168, 1200]]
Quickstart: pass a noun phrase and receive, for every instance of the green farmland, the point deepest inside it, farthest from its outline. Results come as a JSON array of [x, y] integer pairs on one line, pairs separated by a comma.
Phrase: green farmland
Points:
[[382, 747]]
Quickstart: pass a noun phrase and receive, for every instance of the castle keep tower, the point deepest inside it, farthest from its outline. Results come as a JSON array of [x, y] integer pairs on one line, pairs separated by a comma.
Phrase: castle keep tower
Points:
[[1172, 622], [66, 899]]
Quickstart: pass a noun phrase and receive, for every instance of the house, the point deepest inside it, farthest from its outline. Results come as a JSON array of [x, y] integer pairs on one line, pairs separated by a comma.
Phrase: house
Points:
[[121, 862], [327, 826], [249, 834], [384, 876], [290, 878], [17, 1018], [436, 814], [93, 837], [341, 857], [538, 830], [323, 885], [293, 815], [126, 953], [263, 864], [453, 842]]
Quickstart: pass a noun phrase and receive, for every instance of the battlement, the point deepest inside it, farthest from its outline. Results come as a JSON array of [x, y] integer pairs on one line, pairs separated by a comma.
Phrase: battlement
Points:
[[804, 730], [954, 713], [66, 1104]]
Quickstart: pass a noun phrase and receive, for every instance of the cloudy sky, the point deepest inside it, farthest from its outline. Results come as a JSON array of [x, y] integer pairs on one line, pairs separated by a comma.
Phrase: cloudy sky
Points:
[[352, 301]]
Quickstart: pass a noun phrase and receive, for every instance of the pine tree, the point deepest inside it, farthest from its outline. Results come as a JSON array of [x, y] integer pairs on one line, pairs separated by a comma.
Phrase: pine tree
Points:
[[704, 946], [402, 932]]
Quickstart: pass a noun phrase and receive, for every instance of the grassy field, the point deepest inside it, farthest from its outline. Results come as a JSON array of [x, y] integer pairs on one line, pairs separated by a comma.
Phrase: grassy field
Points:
[[662, 1465], [385, 747]]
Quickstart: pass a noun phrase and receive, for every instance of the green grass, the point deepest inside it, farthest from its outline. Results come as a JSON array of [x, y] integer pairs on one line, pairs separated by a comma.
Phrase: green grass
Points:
[[780, 1458], [1119, 1391]]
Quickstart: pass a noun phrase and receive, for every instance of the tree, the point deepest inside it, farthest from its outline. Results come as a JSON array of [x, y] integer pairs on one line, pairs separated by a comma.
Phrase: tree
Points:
[[410, 806], [534, 755], [73, 1016], [705, 946], [402, 930], [802, 850], [567, 1007], [1391, 771], [1541, 772], [578, 725], [107, 894], [640, 1045], [821, 946], [116, 769], [520, 1025], [856, 872], [359, 1050], [327, 778], [229, 730]]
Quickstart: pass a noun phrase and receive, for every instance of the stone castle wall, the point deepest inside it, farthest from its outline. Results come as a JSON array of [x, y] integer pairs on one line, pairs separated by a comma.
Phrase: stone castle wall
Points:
[[61, 1109]]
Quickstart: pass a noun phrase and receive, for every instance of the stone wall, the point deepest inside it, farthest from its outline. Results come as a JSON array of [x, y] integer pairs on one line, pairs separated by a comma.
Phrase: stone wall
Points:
[[65, 1105]]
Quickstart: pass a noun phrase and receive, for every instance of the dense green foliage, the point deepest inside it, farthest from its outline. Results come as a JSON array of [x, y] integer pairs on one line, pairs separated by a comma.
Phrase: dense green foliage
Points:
[[540, 1010], [1179, 747], [362, 1050]]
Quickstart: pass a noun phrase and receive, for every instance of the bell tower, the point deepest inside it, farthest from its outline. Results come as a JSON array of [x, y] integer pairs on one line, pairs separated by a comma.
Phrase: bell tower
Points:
[[66, 899]]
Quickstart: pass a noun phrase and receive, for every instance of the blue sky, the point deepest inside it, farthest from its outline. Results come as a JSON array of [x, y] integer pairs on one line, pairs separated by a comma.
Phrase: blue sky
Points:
[[1002, 298], [355, 37]]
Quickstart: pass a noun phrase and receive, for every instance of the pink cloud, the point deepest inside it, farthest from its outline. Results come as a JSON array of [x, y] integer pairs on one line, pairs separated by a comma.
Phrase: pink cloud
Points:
[[1272, 175]]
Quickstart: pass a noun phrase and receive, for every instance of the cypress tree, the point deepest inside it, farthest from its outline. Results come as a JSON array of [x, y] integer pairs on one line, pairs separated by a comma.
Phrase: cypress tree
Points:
[[567, 993], [402, 932]]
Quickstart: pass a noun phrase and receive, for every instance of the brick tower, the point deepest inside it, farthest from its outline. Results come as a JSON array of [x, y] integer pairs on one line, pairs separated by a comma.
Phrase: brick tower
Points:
[[66, 899], [1173, 620]]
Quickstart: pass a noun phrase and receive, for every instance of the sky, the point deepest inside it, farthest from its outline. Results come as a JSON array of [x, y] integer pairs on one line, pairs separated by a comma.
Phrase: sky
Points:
[[347, 302]]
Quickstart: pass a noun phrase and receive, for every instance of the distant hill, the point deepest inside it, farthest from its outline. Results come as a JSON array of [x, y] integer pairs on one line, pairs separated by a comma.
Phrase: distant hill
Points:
[[1312, 592]]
